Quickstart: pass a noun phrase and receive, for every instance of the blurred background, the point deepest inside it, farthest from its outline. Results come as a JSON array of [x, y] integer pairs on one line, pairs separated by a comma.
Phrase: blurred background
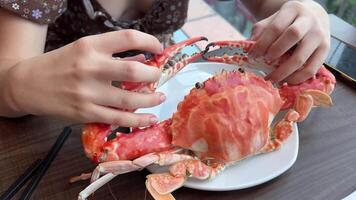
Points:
[[342, 15], [235, 13]]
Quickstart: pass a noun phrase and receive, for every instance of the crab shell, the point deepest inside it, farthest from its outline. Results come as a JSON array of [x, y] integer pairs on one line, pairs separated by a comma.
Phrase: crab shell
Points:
[[228, 118]]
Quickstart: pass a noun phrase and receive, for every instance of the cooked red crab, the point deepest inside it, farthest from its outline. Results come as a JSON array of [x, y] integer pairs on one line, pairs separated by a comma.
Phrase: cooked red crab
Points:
[[220, 122]]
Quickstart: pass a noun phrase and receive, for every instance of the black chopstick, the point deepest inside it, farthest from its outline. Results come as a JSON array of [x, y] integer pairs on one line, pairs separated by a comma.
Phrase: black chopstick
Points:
[[46, 163], [33, 168]]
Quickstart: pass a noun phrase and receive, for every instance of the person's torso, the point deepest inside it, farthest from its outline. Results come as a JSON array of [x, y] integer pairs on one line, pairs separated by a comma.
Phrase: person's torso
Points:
[[84, 17]]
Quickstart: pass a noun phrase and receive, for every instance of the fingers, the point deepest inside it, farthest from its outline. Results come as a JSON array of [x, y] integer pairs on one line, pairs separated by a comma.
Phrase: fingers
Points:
[[118, 70], [124, 40], [259, 27], [113, 116], [297, 60], [289, 38], [297, 23], [118, 98], [311, 67], [274, 29]]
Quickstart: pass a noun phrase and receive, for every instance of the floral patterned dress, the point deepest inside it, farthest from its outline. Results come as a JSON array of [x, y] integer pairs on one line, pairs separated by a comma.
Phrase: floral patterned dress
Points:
[[69, 20]]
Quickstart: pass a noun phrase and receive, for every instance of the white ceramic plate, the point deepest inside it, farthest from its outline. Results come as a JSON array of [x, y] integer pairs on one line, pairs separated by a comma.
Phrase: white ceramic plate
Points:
[[247, 173]]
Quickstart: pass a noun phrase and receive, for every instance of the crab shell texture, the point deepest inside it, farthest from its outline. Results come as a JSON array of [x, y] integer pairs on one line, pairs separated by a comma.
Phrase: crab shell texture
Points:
[[228, 118]]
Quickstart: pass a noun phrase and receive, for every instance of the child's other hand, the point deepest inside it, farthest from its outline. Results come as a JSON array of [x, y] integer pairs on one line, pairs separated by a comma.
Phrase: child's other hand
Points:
[[74, 82], [304, 23]]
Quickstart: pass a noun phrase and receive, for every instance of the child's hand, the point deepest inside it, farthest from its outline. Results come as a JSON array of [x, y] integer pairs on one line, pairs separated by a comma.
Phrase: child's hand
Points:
[[74, 82], [304, 23]]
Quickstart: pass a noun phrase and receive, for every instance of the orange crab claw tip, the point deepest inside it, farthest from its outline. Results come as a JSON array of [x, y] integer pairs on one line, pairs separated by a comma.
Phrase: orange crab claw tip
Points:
[[164, 183], [156, 195], [320, 98]]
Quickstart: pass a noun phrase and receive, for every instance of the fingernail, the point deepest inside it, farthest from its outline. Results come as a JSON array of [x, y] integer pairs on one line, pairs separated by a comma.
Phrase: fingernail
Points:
[[162, 97], [153, 119]]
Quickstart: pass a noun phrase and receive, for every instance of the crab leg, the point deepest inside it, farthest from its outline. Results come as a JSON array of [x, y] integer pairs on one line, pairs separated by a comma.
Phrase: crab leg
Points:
[[303, 104], [114, 168], [125, 166], [160, 185], [96, 185]]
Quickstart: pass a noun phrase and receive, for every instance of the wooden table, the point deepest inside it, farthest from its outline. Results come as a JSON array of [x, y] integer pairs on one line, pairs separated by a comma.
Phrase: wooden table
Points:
[[325, 167]]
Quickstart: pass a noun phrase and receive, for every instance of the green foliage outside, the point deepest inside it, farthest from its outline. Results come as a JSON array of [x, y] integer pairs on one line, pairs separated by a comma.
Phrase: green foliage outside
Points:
[[345, 9]]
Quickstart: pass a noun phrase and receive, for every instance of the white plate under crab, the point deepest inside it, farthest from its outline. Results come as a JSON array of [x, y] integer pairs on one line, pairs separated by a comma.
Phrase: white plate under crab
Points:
[[247, 173]]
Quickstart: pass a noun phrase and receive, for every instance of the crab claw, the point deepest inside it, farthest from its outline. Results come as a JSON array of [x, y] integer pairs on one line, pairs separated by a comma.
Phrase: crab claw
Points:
[[94, 135], [245, 45], [309, 98], [239, 55], [241, 48], [171, 65], [170, 52], [319, 87], [167, 63], [123, 146]]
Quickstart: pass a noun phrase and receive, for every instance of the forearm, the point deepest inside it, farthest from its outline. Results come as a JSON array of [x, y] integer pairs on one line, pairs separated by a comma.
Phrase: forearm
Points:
[[19, 41], [7, 105]]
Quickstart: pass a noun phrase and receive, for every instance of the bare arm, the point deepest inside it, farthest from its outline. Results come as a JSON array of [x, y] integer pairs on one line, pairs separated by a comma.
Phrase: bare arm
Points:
[[20, 40]]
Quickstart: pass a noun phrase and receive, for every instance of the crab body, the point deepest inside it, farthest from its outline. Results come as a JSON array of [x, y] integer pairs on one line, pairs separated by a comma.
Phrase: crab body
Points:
[[220, 122], [228, 118]]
